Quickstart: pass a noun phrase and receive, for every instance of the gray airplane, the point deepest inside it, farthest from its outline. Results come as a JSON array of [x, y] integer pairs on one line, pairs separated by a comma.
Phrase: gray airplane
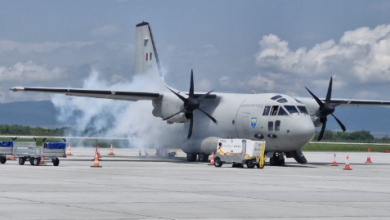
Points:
[[286, 123]]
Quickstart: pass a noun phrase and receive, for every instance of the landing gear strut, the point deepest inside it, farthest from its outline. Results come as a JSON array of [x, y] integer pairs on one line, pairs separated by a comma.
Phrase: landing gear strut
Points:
[[277, 159], [191, 157]]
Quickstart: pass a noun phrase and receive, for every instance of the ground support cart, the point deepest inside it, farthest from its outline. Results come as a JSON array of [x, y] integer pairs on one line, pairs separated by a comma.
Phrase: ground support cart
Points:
[[28, 151], [251, 157], [6, 148]]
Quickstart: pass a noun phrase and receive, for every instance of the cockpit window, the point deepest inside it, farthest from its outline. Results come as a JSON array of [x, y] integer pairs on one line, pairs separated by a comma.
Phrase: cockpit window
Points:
[[276, 97], [303, 109], [282, 100], [291, 109], [266, 110], [282, 111], [274, 110]]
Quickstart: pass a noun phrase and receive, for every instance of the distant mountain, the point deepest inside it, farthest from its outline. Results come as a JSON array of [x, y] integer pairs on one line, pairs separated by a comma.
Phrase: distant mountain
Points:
[[43, 113], [28, 113]]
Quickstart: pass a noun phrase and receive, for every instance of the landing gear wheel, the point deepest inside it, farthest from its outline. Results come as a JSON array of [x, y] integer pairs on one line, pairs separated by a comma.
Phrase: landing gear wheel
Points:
[[250, 164], [217, 162], [36, 161], [56, 162], [277, 159], [191, 157], [3, 160], [22, 160], [32, 161], [203, 157]]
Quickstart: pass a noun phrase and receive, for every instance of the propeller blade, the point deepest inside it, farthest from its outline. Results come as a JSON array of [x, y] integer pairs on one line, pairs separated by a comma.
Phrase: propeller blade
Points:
[[322, 131], [211, 117], [178, 95], [320, 103], [329, 94], [192, 85], [341, 124], [191, 125], [204, 96], [172, 115]]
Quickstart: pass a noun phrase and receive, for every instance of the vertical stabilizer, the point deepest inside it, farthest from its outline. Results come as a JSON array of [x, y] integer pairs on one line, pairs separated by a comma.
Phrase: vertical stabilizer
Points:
[[146, 57]]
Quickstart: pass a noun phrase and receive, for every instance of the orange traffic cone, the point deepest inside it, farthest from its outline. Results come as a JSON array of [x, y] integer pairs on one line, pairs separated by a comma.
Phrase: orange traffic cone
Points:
[[12, 157], [98, 151], [334, 161], [111, 151], [368, 156], [347, 164], [42, 160], [69, 153], [212, 158], [96, 161]]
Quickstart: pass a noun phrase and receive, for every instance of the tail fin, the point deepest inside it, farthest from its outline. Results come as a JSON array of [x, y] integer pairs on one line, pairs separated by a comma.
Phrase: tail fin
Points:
[[146, 57]]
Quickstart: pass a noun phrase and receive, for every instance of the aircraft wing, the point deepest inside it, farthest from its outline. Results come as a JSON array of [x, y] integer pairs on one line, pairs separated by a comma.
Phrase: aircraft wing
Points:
[[355, 102], [105, 94]]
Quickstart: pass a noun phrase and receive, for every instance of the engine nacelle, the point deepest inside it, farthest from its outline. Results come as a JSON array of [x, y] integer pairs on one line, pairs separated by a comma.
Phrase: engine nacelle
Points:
[[179, 118], [168, 105], [201, 145]]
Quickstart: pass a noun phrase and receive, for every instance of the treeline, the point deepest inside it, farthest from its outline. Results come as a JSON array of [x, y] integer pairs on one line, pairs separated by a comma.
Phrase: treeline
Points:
[[354, 136], [26, 130]]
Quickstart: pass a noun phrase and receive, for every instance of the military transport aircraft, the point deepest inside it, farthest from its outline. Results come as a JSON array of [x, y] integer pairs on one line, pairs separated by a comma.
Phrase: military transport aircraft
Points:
[[286, 123]]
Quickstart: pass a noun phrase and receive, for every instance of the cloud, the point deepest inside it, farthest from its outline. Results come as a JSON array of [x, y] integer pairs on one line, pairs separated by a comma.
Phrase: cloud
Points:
[[204, 85], [367, 95], [105, 30], [362, 54], [30, 72], [7, 46]]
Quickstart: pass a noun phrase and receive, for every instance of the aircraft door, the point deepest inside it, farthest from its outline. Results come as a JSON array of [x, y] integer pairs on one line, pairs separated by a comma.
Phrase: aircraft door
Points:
[[245, 125]]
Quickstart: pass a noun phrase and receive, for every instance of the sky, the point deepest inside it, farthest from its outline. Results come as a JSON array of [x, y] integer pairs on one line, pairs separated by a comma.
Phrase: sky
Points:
[[232, 46]]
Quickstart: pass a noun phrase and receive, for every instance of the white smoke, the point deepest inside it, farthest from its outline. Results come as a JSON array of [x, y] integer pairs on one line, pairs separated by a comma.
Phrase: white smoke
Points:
[[115, 118]]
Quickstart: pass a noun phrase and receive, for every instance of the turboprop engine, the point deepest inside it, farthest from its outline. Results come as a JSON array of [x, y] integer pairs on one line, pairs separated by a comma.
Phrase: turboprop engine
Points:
[[164, 106]]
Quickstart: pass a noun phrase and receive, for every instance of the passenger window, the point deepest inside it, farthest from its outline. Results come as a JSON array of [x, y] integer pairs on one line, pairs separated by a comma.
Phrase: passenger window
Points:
[[277, 125], [291, 109], [303, 109], [270, 126], [266, 110], [282, 111], [274, 110]]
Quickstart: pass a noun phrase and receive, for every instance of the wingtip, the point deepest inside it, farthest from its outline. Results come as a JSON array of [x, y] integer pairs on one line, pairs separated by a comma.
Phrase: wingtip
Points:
[[16, 89]]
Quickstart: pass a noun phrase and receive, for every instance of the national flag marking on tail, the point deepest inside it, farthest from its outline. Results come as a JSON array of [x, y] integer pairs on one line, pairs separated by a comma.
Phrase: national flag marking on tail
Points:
[[148, 56]]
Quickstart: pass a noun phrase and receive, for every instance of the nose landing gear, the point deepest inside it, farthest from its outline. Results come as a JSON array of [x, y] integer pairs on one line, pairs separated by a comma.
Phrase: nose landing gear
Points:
[[277, 159]]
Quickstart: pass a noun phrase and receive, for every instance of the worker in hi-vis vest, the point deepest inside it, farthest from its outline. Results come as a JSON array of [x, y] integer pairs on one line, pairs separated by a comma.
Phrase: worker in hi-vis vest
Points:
[[220, 151]]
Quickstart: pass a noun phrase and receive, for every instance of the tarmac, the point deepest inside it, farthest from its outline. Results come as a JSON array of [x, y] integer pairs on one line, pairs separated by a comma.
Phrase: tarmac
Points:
[[132, 187]]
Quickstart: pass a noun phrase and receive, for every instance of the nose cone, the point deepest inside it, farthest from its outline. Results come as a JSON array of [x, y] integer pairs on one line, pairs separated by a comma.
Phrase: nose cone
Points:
[[302, 131]]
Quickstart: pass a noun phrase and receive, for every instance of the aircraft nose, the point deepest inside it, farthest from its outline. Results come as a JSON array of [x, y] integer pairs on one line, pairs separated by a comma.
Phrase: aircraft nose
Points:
[[302, 131]]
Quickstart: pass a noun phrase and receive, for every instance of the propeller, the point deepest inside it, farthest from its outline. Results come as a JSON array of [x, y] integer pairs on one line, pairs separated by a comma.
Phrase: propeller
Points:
[[190, 105], [326, 109]]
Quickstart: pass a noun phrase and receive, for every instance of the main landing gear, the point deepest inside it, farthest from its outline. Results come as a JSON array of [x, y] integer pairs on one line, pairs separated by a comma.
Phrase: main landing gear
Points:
[[191, 157], [277, 159]]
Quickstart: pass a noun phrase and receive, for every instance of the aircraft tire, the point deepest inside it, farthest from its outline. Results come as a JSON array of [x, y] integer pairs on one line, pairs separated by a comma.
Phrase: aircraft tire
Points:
[[191, 157], [203, 157], [32, 161], [3, 160]]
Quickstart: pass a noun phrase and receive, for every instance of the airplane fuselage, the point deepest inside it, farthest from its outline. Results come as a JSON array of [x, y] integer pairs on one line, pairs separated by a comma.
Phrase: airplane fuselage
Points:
[[280, 120]]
